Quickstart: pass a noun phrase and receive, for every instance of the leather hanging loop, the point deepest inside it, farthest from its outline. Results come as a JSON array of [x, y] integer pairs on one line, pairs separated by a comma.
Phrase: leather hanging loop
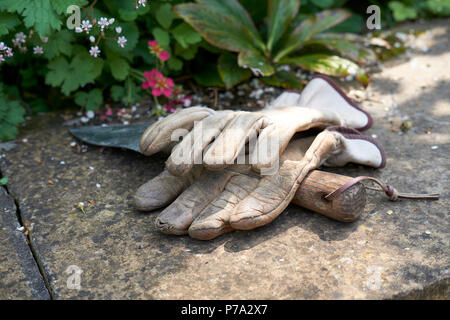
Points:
[[390, 191]]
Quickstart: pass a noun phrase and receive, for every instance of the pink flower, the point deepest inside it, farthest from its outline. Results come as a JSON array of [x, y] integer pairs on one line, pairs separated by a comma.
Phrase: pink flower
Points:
[[158, 51], [108, 112], [162, 86], [164, 55], [169, 108]]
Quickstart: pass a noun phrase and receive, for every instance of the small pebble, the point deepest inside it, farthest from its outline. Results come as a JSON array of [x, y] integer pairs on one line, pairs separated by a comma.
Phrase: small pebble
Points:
[[90, 114], [98, 185], [91, 168], [407, 249], [389, 212], [25, 140], [84, 119], [374, 136], [434, 147], [428, 232], [73, 144], [62, 162]]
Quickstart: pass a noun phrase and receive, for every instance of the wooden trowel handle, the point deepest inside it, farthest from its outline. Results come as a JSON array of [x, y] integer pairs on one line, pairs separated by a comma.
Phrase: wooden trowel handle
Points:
[[347, 207]]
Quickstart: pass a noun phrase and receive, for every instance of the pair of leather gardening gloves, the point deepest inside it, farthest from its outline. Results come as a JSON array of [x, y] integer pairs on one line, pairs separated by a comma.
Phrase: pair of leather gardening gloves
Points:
[[240, 170]]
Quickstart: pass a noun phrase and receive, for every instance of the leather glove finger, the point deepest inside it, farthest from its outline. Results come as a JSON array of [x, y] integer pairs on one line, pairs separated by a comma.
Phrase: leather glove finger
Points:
[[178, 216], [159, 135], [190, 150], [214, 218], [275, 192], [163, 189]]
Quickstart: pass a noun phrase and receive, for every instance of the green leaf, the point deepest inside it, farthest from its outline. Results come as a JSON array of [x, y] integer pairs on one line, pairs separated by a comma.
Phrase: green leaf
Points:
[[234, 9], [402, 12], [89, 100], [208, 76], [118, 65], [8, 21], [3, 181], [126, 10], [175, 64], [230, 72], [354, 24], [346, 48], [60, 6], [188, 53], [256, 62], [165, 16], [323, 4], [329, 65], [439, 7], [37, 14], [281, 13], [223, 31], [162, 37], [284, 79], [58, 43], [131, 32], [310, 27], [39, 106], [131, 92], [117, 93], [11, 115], [82, 69], [185, 35]]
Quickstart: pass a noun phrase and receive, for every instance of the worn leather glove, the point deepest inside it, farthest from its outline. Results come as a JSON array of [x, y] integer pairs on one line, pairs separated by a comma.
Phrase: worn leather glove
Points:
[[220, 137], [209, 203]]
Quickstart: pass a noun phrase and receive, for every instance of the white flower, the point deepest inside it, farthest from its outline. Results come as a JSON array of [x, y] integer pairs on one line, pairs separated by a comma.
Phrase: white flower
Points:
[[44, 39], [103, 23], [16, 43], [21, 37], [38, 50], [118, 29], [86, 25], [95, 51], [90, 114], [78, 30], [92, 39], [1, 58], [2, 46], [121, 41], [187, 103], [9, 52], [142, 2], [111, 21]]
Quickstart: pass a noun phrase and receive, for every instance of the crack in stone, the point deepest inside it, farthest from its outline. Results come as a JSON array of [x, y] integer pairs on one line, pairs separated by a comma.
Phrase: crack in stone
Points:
[[31, 247]]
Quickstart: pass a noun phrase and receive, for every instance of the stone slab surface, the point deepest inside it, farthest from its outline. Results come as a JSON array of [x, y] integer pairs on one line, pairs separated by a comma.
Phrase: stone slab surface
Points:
[[19, 274], [301, 255]]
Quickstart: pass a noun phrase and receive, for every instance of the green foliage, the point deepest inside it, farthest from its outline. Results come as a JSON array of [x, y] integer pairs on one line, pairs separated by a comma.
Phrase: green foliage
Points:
[[402, 12], [218, 42], [82, 69], [406, 9], [89, 100], [11, 115], [228, 26], [3, 181]]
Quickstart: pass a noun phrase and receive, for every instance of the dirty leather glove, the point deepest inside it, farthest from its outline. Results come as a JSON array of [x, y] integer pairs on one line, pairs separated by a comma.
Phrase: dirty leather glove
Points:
[[220, 137], [209, 203]]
